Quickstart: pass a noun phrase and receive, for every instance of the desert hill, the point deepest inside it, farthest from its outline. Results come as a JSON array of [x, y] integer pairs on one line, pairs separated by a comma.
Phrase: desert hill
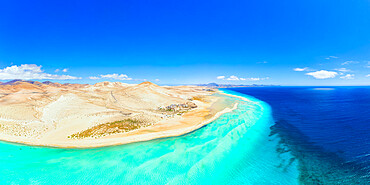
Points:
[[47, 111]]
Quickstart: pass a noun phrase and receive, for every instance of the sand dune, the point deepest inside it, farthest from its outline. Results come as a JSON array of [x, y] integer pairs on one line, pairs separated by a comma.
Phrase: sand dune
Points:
[[75, 115]]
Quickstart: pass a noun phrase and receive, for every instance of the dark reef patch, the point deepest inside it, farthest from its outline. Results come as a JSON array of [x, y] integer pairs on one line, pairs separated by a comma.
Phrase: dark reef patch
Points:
[[316, 165]]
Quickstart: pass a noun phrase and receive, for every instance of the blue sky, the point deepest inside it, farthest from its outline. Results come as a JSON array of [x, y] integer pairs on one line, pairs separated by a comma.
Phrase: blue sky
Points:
[[187, 42]]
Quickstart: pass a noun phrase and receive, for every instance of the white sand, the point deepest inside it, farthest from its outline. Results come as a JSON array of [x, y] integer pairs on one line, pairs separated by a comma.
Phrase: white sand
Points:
[[47, 115]]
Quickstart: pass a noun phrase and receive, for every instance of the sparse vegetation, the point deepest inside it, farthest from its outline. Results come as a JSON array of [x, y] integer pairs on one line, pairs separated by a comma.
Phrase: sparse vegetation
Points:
[[110, 128], [199, 98]]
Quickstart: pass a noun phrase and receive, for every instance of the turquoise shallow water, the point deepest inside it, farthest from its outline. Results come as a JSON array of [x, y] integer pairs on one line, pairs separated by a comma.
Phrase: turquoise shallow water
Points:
[[234, 149]]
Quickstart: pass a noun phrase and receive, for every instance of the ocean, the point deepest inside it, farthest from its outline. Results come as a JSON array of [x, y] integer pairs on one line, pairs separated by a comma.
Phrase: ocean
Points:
[[327, 129], [282, 135]]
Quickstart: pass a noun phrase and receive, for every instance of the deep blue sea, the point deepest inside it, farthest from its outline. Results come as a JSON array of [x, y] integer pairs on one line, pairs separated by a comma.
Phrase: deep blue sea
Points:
[[326, 128]]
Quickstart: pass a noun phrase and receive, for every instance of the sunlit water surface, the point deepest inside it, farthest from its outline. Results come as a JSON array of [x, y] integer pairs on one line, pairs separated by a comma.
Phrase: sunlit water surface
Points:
[[326, 129], [237, 148]]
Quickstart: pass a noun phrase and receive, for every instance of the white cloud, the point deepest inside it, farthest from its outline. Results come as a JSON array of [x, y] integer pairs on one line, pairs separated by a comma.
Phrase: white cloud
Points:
[[157, 80], [301, 69], [263, 62], [255, 79], [235, 78], [116, 76], [30, 71], [348, 76], [232, 77], [323, 74], [349, 62], [252, 79], [343, 69], [64, 70], [368, 75], [94, 78], [111, 76], [331, 57]]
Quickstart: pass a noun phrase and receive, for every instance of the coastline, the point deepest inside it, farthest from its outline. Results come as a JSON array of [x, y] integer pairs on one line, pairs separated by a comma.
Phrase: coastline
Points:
[[180, 126], [233, 141]]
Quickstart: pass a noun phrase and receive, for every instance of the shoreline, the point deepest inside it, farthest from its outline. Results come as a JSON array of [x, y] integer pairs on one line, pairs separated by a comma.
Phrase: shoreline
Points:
[[128, 137]]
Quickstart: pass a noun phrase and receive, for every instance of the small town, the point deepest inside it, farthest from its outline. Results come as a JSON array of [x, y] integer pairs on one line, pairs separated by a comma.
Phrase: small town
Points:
[[178, 109]]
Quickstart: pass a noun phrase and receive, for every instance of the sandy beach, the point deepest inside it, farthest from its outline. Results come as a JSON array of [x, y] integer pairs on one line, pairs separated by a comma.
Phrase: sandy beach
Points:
[[84, 116]]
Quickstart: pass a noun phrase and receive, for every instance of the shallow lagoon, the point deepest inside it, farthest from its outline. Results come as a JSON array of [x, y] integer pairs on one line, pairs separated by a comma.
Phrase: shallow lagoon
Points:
[[236, 148]]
